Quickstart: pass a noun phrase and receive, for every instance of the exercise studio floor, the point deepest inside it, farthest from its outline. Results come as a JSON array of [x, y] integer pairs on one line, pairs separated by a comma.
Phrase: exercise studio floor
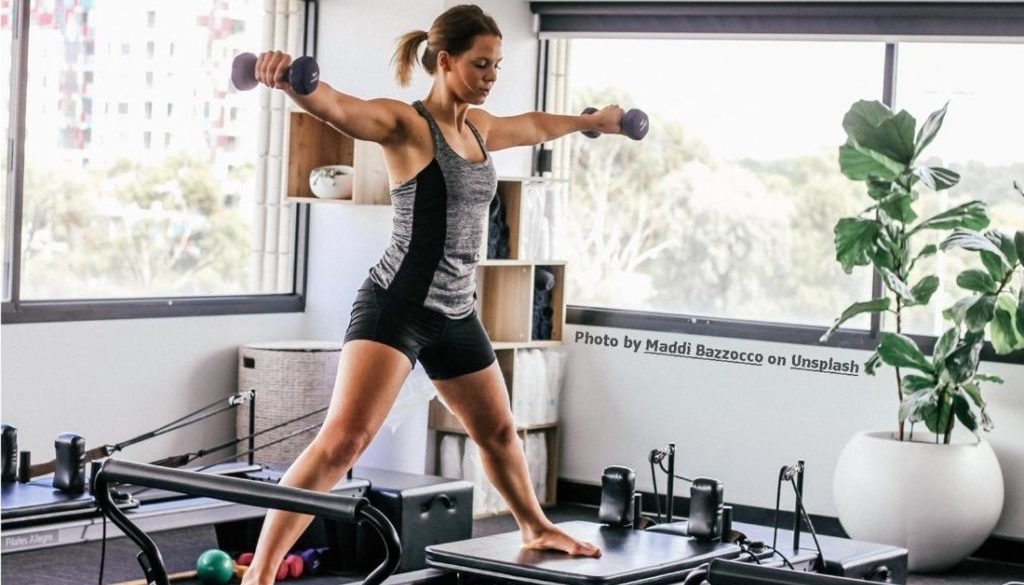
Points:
[[79, 564]]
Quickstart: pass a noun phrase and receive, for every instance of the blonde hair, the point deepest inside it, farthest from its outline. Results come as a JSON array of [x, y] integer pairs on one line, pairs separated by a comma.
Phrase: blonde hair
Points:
[[453, 32]]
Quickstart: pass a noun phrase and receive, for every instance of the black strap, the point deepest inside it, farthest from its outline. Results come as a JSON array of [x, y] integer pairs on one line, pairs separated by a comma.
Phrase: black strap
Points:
[[191, 418], [182, 459]]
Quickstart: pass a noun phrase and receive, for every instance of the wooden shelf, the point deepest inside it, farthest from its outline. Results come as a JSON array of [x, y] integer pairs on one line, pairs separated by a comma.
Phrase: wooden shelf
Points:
[[522, 263], [505, 301], [314, 143], [519, 217], [505, 297], [457, 429], [531, 179], [314, 199]]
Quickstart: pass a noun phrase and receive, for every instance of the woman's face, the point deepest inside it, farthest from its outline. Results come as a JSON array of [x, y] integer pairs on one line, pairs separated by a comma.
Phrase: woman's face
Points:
[[472, 74]]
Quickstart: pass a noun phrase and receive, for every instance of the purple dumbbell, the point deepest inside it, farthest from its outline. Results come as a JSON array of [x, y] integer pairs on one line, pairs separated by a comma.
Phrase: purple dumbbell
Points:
[[634, 124], [303, 74], [313, 560]]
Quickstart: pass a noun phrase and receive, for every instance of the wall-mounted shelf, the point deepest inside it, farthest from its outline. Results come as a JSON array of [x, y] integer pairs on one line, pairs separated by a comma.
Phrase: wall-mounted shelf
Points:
[[314, 199], [314, 143]]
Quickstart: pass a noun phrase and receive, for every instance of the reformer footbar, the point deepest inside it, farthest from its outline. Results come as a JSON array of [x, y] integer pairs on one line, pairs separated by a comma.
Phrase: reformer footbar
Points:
[[343, 508]]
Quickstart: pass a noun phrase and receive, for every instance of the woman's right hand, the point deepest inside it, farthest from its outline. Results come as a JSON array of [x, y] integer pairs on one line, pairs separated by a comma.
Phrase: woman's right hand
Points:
[[272, 69], [608, 120]]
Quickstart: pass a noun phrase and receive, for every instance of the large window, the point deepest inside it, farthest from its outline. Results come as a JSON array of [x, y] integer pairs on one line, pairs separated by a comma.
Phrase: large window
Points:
[[145, 176], [726, 210], [980, 139]]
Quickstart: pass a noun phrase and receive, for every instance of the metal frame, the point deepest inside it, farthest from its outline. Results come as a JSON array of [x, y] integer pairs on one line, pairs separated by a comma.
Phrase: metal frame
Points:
[[16, 149], [876, 19], [240, 491], [16, 310]]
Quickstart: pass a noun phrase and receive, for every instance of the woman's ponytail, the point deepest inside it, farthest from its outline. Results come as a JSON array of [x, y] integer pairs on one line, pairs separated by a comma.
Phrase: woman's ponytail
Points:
[[453, 32], [405, 55]]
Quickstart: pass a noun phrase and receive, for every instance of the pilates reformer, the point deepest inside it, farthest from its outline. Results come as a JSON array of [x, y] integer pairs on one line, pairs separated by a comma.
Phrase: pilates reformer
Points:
[[631, 557], [636, 553]]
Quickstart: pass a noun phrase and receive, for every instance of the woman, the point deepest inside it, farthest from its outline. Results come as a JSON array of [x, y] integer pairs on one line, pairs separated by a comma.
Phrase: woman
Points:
[[418, 301]]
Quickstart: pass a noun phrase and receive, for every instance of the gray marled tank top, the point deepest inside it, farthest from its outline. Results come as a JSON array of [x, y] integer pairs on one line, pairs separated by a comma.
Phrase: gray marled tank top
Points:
[[438, 230]]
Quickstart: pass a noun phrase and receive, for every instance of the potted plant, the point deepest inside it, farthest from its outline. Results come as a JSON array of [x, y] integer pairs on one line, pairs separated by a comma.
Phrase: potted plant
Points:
[[893, 486]]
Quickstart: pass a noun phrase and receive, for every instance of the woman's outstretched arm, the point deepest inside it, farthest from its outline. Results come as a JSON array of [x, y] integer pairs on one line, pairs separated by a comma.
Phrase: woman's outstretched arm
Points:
[[534, 128], [375, 120]]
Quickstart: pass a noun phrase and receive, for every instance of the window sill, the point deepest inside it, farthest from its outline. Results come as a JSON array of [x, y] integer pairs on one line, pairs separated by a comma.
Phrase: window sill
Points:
[[92, 310]]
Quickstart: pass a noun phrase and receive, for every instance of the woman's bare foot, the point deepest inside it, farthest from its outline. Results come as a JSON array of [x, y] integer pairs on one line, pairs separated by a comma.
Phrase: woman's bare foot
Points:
[[552, 538]]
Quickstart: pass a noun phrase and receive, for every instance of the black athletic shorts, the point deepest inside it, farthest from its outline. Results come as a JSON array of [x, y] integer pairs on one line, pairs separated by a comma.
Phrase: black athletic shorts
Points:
[[446, 347]]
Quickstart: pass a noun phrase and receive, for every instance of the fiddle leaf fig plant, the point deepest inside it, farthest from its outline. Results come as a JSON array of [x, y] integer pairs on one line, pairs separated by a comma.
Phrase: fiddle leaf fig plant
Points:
[[996, 305], [883, 149]]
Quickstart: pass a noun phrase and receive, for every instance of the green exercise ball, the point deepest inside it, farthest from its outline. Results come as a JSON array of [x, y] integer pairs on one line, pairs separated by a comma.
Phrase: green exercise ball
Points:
[[215, 567]]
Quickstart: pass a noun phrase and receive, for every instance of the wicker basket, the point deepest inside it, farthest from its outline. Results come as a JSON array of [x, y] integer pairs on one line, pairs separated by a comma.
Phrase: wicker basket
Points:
[[291, 378]]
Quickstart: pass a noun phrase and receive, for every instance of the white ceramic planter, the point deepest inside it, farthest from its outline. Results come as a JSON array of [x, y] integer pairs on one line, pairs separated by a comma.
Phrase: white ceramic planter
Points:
[[940, 502]]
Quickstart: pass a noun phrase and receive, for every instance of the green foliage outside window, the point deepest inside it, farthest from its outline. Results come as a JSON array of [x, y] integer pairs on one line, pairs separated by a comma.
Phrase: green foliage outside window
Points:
[[132, 230]]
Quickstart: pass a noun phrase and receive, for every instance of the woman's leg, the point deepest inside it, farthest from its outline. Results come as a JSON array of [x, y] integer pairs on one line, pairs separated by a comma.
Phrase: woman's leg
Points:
[[370, 376], [480, 401]]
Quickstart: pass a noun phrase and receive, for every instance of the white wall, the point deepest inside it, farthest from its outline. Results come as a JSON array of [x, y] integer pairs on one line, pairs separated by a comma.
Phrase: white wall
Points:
[[741, 423], [112, 380]]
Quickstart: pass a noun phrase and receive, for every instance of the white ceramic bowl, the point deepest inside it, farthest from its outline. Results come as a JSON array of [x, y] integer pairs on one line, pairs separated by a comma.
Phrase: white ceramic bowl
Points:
[[331, 182]]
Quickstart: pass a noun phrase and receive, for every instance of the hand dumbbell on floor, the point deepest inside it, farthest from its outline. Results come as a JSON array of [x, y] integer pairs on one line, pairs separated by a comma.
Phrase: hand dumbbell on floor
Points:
[[291, 567], [635, 124], [313, 560], [303, 74]]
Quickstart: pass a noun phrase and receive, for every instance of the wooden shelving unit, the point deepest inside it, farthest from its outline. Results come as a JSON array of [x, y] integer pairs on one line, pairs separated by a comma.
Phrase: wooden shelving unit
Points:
[[313, 143], [505, 297], [505, 301]]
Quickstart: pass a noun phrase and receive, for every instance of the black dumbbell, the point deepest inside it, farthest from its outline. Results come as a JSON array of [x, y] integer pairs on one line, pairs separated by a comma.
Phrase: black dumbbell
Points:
[[634, 124], [303, 74]]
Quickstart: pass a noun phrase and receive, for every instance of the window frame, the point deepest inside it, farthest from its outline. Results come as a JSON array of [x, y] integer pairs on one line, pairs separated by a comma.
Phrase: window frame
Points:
[[890, 22], [17, 310]]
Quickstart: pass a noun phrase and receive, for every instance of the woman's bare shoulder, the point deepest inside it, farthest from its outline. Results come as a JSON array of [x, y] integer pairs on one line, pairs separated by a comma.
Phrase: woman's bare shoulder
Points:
[[407, 120], [480, 118], [397, 108]]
